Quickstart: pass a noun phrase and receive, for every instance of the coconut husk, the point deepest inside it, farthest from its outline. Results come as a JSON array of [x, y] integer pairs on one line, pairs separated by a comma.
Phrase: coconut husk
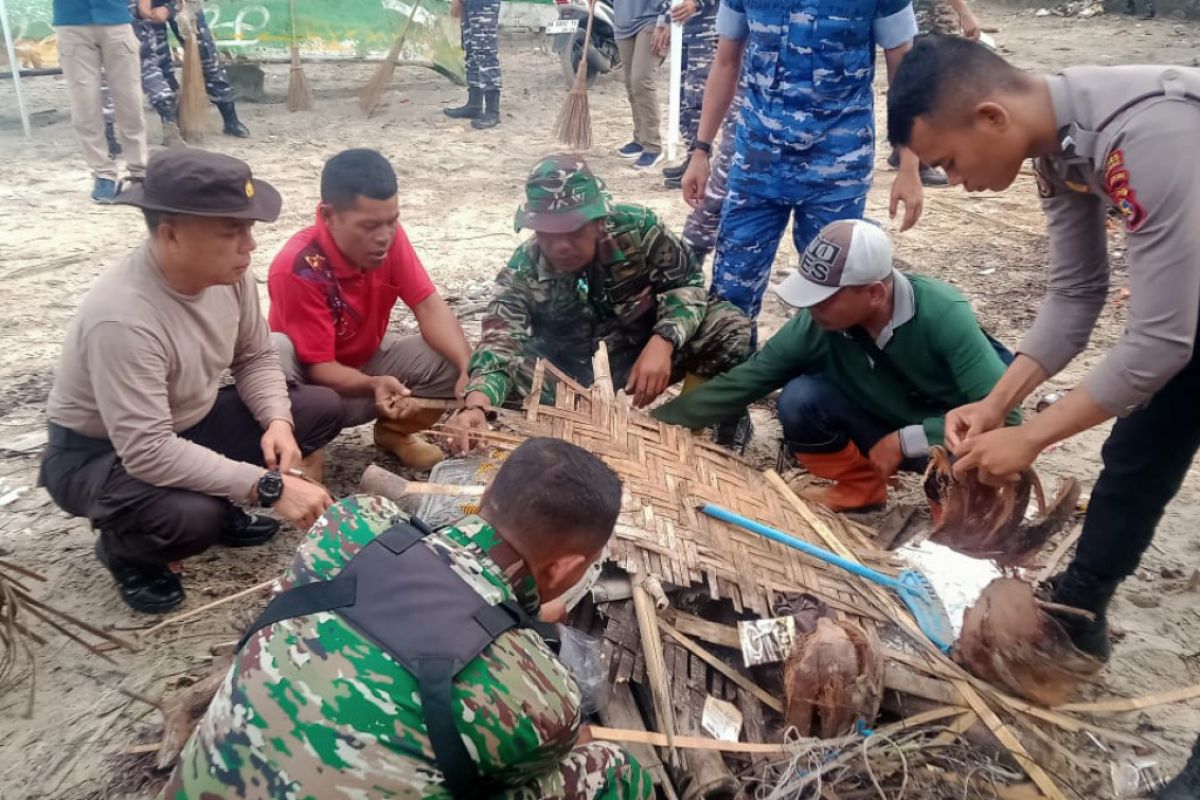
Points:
[[1008, 639], [833, 678], [989, 521]]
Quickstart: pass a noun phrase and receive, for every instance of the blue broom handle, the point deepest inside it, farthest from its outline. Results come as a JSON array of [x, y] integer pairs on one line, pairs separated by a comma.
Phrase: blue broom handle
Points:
[[726, 515]]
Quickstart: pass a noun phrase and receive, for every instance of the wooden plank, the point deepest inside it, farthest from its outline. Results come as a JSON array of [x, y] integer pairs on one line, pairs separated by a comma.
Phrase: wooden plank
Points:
[[621, 711], [1135, 703], [702, 629], [656, 671], [768, 699]]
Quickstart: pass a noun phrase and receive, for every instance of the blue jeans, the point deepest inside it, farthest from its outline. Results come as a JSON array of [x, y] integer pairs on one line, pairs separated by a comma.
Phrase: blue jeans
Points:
[[818, 417]]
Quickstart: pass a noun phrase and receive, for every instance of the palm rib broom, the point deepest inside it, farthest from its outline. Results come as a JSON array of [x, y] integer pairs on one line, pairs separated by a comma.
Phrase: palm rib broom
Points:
[[193, 97], [299, 98], [574, 124], [373, 91]]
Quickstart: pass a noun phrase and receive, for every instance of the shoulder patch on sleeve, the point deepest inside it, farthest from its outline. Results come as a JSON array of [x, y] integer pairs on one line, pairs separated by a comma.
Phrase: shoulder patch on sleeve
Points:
[[1116, 184]]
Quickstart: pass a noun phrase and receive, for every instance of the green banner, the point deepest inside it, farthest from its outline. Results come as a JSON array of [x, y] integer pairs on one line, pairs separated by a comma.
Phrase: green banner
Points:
[[263, 29]]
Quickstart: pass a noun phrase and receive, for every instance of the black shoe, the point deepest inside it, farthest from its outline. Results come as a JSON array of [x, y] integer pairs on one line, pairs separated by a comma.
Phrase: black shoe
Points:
[[674, 183], [471, 110], [490, 116], [1186, 785], [676, 172], [247, 530], [149, 589], [734, 433], [233, 125], [1080, 589], [932, 176]]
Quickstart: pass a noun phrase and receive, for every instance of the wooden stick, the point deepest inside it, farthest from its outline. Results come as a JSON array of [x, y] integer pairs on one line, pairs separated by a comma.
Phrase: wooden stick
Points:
[[78, 623], [702, 629], [23, 570], [631, 736], [166, 623], [769, 700], [656, 668], [957, 727], [1135, 703]]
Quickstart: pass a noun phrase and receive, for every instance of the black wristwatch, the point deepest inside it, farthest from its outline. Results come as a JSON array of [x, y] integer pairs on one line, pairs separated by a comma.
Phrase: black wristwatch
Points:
[[270, 488], [702, 146]]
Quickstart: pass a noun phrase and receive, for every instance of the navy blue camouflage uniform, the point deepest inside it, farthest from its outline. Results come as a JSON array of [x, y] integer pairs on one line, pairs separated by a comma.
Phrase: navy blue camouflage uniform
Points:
[[806, 134], [158, 69], [480, 42], [699, 47]]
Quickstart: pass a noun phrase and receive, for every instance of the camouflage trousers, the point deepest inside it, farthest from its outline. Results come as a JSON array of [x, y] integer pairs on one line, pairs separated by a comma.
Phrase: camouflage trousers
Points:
[[158, 69], [720, 343], [935, 16], [748, 239], [481, 43], [593, 771], [699, 47], [700, 230]]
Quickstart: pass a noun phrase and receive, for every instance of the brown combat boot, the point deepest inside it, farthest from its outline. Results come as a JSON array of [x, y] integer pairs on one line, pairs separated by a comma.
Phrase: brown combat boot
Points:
[[857, 486], [398, 438]]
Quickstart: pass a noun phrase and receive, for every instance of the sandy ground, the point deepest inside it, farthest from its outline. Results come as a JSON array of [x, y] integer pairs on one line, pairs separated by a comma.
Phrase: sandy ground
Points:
[[459, 189]]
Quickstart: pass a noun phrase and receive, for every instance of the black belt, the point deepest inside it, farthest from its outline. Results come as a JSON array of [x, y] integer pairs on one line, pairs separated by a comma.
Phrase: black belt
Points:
[[67, 439]]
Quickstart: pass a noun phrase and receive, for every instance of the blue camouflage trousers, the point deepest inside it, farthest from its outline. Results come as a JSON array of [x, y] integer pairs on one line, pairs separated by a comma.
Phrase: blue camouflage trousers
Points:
[[481, 43], [158, 70], [699, 47], [700, 230], [748, 239]]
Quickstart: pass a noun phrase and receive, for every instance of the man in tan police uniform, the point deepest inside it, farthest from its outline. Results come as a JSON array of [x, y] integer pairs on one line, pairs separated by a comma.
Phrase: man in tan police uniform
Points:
[[1124, 138]]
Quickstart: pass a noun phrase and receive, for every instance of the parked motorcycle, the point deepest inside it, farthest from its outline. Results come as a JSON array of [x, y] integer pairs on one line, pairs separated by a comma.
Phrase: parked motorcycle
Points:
[[569, 31]]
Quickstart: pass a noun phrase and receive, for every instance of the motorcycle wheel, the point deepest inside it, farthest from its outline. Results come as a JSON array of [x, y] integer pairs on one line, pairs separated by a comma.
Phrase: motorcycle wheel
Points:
[[569, 59]]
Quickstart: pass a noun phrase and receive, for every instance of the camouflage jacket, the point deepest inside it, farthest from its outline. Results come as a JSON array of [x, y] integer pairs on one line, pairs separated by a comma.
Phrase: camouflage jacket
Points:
[[313, 709], [642, 282]]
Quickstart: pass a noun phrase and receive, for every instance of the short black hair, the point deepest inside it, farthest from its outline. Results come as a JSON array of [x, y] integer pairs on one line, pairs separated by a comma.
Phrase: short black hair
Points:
[[354, 173], [154, 218], [943, 73], [554, 495]]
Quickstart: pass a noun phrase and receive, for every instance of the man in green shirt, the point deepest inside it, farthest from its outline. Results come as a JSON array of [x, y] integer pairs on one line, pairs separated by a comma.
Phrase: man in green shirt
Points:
[[596, 271], [869, 367]]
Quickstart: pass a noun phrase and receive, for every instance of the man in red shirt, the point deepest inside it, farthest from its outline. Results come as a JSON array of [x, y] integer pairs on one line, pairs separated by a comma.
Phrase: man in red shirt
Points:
[[333, 287]]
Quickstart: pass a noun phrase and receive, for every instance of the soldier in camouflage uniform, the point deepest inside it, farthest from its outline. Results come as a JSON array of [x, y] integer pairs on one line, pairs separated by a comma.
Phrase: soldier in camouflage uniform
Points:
[[312, 708], [151, 18], [805, 137], [699, 18], [597, 272], [480, 41]]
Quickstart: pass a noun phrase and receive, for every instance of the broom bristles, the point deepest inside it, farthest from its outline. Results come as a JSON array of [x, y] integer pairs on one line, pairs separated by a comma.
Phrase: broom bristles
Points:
[[193, 100], [574, 124], [372, 93], [299, 98]]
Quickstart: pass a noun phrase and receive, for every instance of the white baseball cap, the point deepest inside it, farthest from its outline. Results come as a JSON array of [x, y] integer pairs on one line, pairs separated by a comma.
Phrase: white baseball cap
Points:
[[849, 252]]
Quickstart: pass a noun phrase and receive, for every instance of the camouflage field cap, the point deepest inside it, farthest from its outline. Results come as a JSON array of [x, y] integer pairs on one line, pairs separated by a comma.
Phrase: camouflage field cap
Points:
[[562, 195]]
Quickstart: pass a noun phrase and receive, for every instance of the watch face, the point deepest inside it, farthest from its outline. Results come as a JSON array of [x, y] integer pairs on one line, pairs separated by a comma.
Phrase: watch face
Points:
[[270, 487]]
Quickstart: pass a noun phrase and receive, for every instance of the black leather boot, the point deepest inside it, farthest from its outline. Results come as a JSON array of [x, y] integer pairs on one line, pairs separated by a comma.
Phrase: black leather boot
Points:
[[233, 125], [1186, 785], [1081, 589], [490, 117], [471, 110], [247, 530], [149, 589]]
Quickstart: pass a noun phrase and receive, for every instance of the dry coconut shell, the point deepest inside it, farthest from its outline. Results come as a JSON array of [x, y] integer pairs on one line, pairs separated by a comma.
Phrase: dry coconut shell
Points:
[[989, 521], [833, 677], [1009, 640]]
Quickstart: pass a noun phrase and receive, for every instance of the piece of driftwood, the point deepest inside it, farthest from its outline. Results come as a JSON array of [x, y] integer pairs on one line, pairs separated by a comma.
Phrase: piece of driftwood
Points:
[[656, 670]]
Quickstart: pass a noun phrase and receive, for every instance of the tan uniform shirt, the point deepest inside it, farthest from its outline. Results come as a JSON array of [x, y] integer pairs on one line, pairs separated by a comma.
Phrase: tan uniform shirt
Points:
[[142, 362], [1130, 138]]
